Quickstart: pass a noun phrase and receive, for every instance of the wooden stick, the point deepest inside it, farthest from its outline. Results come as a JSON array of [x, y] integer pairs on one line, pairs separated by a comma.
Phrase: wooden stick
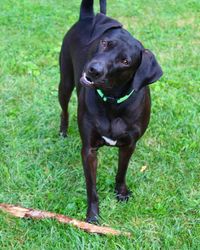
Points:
[[39, 214]]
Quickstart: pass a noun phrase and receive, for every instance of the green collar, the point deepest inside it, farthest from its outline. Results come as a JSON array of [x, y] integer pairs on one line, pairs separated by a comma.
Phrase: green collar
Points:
[[112, 99]]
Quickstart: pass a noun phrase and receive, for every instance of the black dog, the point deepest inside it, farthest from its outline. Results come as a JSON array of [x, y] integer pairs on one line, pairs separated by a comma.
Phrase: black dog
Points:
[[111, 71]]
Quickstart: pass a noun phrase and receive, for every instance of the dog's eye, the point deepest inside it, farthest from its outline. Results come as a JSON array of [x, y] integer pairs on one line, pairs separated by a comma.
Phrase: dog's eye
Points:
[[109, 44], [104, 44], [125, 61]]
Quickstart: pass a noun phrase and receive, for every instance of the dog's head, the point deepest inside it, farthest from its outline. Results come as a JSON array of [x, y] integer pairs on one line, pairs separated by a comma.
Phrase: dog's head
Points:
[[119, 59]]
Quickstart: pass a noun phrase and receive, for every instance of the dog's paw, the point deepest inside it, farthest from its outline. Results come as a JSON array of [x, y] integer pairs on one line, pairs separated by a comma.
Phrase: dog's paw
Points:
[[63, 134], [92, 215], [92, 220], [122, 195]]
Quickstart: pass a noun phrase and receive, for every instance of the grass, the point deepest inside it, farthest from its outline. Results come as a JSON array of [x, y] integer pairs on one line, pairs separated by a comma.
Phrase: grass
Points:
[[41, 170]]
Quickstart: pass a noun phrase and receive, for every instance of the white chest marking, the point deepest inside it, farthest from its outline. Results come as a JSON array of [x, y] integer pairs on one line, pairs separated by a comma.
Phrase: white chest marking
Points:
[[109, 141]]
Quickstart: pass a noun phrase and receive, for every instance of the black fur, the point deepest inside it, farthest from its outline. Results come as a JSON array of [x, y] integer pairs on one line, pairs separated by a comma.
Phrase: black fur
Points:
[[97, 53]]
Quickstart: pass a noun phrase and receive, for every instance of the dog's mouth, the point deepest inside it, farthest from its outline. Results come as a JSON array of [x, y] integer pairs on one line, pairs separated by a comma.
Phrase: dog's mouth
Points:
[[86, 81]]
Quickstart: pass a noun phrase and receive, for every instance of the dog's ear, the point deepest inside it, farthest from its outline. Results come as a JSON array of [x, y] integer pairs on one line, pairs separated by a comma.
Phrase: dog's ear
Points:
[[148, 72]]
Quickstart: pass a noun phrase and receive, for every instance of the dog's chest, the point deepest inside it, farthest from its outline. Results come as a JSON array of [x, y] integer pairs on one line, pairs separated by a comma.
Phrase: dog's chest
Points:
[[114, 131]]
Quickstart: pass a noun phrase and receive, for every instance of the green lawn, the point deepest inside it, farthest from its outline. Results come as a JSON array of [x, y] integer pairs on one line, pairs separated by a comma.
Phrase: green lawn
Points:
[[38, 169]]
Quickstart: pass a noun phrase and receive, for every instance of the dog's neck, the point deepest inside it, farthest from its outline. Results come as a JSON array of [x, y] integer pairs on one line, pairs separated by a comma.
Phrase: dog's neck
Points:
[[119, 91]]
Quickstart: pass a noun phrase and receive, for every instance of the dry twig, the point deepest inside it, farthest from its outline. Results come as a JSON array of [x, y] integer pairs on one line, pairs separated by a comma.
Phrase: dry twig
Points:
[[39, 214]]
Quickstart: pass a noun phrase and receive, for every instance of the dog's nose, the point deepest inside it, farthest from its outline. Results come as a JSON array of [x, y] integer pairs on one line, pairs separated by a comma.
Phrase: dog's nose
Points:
[[95, 70]]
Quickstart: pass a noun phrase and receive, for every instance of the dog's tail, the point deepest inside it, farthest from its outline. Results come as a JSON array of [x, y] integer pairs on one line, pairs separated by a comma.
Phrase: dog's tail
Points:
[[103, 6], [87, 9]]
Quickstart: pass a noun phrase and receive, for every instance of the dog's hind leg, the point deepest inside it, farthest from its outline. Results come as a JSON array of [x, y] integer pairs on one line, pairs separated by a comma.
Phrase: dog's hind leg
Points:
[[66, 87]]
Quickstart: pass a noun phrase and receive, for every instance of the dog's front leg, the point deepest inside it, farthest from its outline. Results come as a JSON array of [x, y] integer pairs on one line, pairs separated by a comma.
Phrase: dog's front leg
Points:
[[122, 192], [89, 158]]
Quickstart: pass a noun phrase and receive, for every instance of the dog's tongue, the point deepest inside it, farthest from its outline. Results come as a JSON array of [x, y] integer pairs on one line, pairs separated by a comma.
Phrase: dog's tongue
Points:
[[100, 25]]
